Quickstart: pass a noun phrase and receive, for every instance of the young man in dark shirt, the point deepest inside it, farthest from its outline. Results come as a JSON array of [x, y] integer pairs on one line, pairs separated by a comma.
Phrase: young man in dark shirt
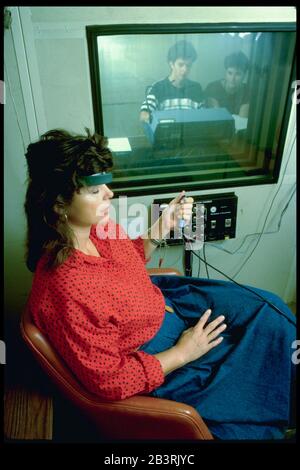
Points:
[[231, 92], [175, 91]]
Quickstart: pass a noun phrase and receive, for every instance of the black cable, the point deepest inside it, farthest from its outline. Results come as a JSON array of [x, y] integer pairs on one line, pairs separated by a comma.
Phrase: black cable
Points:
[[204, 254], [199, 268], [188, 262], [284, 210], [271, 205], [257, 233], [247, 288], [260, 233]]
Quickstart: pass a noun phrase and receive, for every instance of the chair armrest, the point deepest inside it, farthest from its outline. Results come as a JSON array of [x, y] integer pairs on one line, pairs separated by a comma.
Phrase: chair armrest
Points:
[[148, 418], [163, 271]]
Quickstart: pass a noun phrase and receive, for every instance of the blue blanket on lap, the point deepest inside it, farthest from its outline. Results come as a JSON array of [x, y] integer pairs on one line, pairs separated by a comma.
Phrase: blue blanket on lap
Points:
[[241, 388]]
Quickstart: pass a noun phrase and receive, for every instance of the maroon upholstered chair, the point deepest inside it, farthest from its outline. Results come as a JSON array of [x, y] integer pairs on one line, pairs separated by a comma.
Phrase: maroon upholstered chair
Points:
[[139, 417]]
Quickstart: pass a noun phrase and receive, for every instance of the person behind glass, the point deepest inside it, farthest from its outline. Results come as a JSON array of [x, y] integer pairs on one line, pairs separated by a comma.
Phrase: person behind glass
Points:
[[123, 333], [231, 92], [175, 91]]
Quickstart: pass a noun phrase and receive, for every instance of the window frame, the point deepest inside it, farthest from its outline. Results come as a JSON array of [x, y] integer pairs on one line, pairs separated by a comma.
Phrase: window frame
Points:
[[126, 188]]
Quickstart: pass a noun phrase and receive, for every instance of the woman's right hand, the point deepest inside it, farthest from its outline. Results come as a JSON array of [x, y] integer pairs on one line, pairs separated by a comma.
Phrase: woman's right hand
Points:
[[199, 339]]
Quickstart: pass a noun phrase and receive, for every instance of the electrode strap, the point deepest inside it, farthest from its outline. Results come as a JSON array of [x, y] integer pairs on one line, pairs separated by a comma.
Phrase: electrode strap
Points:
[[96, 179]]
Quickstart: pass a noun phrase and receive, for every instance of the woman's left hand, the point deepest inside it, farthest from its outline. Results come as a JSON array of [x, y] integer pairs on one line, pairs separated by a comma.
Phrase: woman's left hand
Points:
[[179, 208]]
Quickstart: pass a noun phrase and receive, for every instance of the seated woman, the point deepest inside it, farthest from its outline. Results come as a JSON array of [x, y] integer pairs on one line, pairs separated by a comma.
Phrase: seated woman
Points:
[[123, 333], [231, 92]]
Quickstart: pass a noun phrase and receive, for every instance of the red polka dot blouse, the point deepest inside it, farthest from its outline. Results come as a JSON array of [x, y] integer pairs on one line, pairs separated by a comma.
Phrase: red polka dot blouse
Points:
[[97, 311]]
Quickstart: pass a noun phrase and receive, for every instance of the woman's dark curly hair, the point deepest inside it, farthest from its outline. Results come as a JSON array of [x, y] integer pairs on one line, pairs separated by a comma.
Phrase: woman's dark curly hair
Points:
[[55, 164]]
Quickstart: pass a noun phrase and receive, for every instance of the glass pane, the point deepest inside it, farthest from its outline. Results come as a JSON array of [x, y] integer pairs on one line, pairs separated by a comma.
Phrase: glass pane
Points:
[[194, 108]]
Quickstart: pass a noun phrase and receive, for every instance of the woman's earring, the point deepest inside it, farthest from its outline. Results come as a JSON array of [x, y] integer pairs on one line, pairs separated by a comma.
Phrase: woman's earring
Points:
[[66, 216]]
